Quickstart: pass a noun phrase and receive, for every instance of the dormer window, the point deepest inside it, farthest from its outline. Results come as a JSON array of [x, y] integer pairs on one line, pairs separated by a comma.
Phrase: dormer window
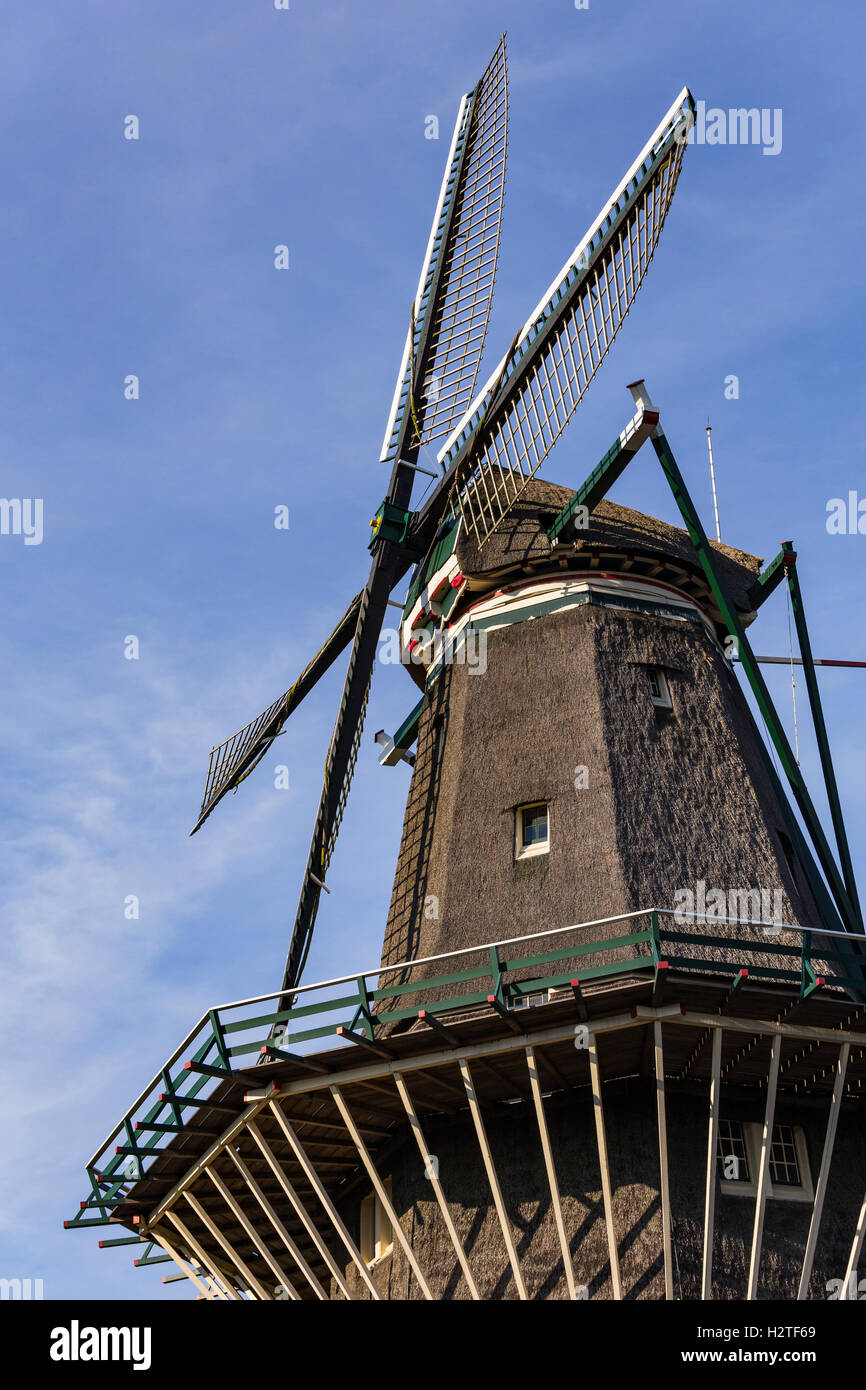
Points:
[[660, 693]]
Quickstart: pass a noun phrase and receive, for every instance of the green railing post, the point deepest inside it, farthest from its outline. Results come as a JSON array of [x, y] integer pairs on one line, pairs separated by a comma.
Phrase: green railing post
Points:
[[656, 937], [364, 1008], [216, 1025], [496, 970], [807, 974]]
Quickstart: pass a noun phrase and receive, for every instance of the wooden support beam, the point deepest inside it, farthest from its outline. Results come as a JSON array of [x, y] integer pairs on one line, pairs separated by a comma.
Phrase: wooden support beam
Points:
[[296, 1254], [182, 1265], [204, 1260], [764, 1169], [304, 1216], [849, 1289], [363, 1042], [431, 1171], [552, 1182], [261, 1245], [250, 1279], [492, 1178], [664, 1186], [823, 1175], [712, 1153], [279, 1054], [579, 1000], [431, 1021], [381, 1191], [601, 1139], [505, 1014], [206, 1069], [178, 1101], [322, 1194], [300, 1120]]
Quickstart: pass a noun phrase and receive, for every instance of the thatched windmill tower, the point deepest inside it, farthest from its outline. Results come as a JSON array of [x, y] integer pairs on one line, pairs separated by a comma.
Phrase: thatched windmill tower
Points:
[[614, 1046]]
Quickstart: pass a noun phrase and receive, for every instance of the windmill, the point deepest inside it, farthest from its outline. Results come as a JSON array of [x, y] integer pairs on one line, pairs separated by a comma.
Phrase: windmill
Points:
[[558, 1001], [491, 444]]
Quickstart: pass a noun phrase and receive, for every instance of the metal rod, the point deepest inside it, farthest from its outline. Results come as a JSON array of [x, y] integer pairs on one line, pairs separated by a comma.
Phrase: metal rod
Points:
[[735, 628], [798, 661], [822, 740], [713, 479]]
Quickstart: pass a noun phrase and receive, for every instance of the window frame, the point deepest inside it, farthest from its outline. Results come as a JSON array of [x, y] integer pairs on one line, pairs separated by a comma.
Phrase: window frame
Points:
[[375, 1245], [663, 699], [781, 1192], [521, 849]]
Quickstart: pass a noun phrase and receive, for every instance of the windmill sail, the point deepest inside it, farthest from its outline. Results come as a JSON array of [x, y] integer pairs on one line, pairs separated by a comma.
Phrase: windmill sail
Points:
[[449, 321], [234, 759], [452, 307], [513, 423]]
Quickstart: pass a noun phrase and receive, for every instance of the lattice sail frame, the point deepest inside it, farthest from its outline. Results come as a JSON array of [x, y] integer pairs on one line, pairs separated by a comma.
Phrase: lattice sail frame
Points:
[[227, 758], [463, 284], [232, 761], [512, 425]]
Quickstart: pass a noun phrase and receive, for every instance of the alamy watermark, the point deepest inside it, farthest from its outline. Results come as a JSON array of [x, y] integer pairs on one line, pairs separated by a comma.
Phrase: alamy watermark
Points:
[[760, 905], [467, 648], [77, 1343], [24, 1289], [846, 516], [22, 516], [740, 125]]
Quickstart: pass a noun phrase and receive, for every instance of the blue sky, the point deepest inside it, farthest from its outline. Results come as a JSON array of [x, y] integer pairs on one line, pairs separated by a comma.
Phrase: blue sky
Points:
[[260, 388]]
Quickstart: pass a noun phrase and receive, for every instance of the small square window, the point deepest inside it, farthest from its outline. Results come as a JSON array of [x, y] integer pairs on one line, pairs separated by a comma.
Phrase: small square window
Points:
[[532, 830], [660, 693]]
